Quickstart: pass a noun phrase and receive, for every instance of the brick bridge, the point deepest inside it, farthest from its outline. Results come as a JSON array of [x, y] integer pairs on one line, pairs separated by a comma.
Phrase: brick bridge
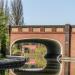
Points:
[[64, 35]]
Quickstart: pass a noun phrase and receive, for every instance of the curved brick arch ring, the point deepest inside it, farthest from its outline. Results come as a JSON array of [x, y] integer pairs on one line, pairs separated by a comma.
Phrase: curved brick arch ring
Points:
[[56, 41]]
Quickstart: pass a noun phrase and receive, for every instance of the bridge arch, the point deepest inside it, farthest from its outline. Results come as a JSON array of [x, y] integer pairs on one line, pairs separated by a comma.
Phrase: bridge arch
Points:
[[54, 41], [54, 44]]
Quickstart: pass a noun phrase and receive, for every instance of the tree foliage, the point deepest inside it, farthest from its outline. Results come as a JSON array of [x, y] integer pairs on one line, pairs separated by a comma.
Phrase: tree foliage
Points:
[[17, 12], [1, 4], [3, 32]]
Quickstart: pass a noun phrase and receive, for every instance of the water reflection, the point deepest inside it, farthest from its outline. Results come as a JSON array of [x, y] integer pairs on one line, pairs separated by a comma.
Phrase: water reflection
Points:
[[53, 68], [37, 52], [41, 56]]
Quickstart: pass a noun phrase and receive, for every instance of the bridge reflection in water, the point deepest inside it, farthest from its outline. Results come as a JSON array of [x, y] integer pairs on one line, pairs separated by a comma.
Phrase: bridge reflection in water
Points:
[[47, 56], [53, 68]]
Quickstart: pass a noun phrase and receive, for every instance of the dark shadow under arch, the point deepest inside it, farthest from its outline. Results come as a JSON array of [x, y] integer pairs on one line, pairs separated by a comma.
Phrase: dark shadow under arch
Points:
[[53, 50], [53, 47]]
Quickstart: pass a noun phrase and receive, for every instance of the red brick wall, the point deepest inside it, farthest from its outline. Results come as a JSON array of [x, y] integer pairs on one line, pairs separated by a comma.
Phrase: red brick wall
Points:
[[57, 37], [72, 72]]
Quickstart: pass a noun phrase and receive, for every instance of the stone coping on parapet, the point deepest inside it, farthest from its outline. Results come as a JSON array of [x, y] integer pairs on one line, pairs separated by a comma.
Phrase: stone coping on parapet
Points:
[[42, 25], [40, 28]]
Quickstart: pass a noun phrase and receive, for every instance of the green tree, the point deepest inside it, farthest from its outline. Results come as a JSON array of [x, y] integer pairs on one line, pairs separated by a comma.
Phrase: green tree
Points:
[[17, 12], [1, 4], [3, 37], [3, 32]]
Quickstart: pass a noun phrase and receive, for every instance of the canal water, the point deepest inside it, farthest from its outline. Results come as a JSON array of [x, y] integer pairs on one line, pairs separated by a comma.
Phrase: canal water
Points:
[[54, 67]]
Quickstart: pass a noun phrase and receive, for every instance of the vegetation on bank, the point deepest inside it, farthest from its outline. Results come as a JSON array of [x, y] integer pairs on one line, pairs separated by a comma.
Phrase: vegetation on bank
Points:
[[35, 56], [8, 17], [3, 38], [3, 33]]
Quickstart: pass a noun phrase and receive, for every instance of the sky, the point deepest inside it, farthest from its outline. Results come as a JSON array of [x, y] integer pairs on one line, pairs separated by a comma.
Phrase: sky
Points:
[[49, 12]]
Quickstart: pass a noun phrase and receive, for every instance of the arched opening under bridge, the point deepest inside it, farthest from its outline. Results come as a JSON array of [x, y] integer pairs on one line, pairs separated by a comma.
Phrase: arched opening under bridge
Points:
[[36, 47], [53, 46]]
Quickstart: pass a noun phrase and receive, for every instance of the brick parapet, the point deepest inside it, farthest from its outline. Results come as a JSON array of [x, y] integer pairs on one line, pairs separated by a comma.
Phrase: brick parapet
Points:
[[37, 30], [43, 29]]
